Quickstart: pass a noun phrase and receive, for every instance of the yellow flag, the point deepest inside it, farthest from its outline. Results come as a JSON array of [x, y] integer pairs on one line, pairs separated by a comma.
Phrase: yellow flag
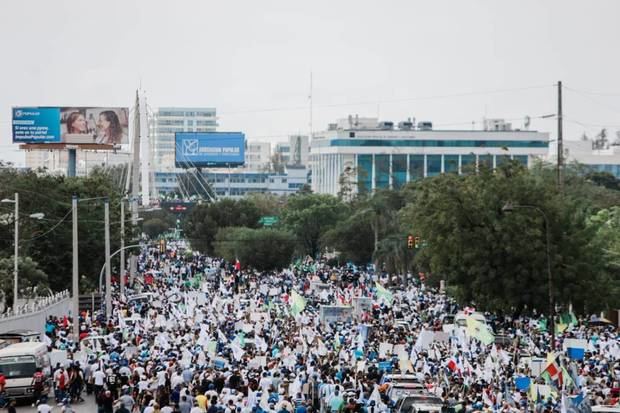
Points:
[[479, 331]]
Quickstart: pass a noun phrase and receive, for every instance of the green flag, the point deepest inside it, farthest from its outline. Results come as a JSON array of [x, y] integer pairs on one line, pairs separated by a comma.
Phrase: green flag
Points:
[[542, 324], [384, 293], [298, 303]]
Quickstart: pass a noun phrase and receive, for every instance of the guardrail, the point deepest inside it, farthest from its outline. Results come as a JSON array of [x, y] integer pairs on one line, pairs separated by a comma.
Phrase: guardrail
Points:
[[37, 305]]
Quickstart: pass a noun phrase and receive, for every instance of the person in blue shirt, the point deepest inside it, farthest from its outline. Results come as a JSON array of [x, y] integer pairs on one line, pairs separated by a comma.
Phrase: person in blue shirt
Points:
[[301, 408]]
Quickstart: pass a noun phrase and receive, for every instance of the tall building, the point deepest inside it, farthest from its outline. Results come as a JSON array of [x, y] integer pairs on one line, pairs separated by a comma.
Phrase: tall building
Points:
[[366, 154], [293, 152], [257, 156], [299, 149], [283, 152], [167, 121]]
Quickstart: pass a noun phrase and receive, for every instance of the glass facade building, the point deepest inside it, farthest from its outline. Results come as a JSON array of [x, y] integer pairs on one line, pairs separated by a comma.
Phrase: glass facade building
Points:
[[376, 158]]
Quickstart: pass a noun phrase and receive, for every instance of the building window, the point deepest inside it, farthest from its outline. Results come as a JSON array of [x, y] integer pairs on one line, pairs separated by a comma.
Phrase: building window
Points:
[[451, 164], [382, 175], [501, 159], [485, 161], [399, 170], [433, 165], [433, 143], [364, 173], [416, 167], [522, 159], [468, 163]]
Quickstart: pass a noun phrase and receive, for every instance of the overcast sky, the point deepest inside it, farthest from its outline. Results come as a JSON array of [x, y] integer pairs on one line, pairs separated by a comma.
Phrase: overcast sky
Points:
[[451, 62]]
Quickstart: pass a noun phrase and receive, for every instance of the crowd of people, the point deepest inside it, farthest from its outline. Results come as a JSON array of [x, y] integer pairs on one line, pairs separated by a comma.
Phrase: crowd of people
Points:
[[194, 334]]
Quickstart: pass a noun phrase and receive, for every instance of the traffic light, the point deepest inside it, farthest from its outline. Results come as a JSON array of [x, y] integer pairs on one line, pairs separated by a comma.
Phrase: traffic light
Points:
[[410, 242], [418, 244]]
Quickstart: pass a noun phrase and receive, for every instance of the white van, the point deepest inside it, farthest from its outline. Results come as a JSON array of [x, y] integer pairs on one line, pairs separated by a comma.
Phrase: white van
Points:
[[460, 319], [19, 362]]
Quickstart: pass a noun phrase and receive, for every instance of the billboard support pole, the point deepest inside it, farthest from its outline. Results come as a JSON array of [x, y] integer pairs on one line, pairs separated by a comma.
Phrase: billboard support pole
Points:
[[71, 162]]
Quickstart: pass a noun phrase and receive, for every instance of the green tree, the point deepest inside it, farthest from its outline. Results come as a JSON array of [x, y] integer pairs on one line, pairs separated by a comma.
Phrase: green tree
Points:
[[203, 222], [606, 222], [265, 249], [309, 217], [352, 238], [499, 261], [154, 227], [49, 241], [29, 276], [604, 179], [157, 222]]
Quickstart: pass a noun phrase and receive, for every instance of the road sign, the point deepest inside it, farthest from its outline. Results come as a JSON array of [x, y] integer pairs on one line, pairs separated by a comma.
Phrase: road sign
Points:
[[268, 221]]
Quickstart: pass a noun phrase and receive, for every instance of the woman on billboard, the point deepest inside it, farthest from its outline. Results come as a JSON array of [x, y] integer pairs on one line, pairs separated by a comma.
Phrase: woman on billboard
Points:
[[76, 123], [110, 131]]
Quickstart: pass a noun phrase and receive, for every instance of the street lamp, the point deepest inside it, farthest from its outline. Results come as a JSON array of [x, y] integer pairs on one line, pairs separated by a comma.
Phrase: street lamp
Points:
[[510, 207], [37, 215]]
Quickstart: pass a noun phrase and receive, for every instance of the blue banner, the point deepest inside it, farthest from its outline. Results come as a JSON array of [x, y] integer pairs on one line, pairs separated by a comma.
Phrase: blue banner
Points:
[[198, 149], [36, 125]]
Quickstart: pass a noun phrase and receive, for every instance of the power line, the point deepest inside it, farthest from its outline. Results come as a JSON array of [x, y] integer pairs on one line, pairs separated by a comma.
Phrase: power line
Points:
[[602, 104], [389, 101]]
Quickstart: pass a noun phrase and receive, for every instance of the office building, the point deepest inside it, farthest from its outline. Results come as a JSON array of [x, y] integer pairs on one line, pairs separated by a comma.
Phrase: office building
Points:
[[373, 155], [235, 183], [166, 121], [598, 156], [293, 152], [257, 156]]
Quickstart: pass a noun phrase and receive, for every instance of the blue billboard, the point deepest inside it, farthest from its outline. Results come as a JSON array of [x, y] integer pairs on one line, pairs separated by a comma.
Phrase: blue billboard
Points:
[[36, 125], [75, 125], [200, 149]]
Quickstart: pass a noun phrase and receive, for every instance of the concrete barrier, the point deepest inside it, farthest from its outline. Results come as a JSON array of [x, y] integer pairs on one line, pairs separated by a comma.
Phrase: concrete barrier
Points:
[[32, 316]]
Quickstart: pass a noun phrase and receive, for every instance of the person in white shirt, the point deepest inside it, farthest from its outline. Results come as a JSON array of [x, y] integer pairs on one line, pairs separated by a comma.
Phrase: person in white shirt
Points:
[[99, 380], [43, 407]]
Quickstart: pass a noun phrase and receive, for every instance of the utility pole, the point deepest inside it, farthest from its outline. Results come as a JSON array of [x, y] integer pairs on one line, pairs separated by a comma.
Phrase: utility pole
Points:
[[16, 252], [122, 266], [135, 171], [108, 272], [75, 283], [560, 142]]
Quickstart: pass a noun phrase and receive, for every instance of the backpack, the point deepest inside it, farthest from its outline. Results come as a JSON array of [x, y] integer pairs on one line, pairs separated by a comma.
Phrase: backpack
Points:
[[38, 381]]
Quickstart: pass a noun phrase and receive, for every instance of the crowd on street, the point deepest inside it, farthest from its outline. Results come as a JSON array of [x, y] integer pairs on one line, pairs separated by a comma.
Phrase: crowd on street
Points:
[[196, 334]]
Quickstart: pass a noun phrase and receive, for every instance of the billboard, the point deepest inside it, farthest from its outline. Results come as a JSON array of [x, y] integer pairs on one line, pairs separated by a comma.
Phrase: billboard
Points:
[[71, 125], [199, 149]]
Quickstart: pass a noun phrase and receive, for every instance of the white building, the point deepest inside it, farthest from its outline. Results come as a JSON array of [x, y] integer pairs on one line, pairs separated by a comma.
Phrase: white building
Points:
[[596, 156], [56, 161], [234, 183], [257, 156], [295, 151], [373, 155], [166, 121]]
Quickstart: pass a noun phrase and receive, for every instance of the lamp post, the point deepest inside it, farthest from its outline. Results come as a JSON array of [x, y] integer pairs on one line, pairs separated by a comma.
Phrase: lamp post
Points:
[[510, 207], [16, 251]]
